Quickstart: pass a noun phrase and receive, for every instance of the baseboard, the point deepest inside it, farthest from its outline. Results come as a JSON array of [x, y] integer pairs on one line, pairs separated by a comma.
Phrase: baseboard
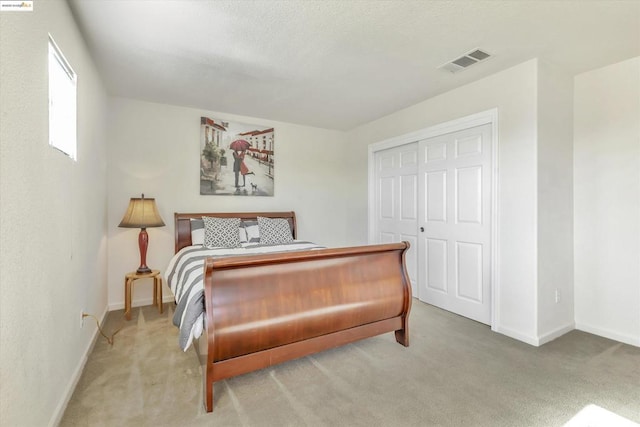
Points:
[[552, 335], [66, 396], [140, 302], [517, 335], [607, 333]]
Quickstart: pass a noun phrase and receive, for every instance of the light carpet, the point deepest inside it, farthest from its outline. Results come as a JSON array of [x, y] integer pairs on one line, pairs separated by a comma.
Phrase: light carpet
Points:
[[455, 373]]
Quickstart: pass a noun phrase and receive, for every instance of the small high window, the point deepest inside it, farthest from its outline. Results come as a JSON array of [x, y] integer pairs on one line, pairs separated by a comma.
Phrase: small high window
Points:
[[62, 102]]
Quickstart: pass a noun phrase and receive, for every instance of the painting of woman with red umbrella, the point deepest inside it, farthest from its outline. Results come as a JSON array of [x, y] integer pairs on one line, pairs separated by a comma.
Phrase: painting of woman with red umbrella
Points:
[[232, 150], [240, 147]]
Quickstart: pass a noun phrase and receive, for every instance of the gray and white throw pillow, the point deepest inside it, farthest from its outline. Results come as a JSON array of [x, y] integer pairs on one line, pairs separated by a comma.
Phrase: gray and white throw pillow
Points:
[[251, 230], [274, 231], [221, 232]]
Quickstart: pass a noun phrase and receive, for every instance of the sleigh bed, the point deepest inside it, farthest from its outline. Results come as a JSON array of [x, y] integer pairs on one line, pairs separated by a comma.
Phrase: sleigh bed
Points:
[[264, 309]]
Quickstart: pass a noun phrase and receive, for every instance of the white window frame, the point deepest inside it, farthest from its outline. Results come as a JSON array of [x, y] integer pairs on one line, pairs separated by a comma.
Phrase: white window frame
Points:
[[62, 102]]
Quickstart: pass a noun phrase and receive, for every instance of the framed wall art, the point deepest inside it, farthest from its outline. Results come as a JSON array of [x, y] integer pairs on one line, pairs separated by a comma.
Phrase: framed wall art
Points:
[[236, 159]]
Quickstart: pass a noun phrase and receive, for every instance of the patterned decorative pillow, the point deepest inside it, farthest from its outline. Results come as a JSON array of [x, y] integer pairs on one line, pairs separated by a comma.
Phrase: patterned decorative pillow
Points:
[[274, 231], [221, 232], [252, 231], [197, 231]]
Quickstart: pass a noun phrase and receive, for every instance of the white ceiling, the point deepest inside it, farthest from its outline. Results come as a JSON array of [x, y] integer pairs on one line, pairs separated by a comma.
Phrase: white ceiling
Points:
[[337, 64]]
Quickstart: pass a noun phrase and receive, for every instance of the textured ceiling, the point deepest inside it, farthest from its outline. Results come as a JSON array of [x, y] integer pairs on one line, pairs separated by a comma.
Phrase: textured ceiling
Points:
[[337, 64]]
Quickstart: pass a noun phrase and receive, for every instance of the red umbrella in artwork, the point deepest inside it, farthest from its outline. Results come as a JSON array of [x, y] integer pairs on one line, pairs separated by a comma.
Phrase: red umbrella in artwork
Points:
[[240, 145]]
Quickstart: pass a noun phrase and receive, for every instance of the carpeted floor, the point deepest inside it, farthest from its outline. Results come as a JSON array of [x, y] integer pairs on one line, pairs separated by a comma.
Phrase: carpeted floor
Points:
[[455, 373]]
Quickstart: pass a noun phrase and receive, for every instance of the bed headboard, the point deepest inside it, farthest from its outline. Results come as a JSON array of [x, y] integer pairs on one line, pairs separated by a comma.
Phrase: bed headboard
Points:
[[183, 223]]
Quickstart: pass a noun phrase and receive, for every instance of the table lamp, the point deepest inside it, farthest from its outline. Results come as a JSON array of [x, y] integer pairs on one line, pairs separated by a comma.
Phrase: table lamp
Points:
[[142, 213]]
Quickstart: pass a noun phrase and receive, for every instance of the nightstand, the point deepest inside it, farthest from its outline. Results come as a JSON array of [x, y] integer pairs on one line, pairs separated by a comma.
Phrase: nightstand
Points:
[[157, 289]]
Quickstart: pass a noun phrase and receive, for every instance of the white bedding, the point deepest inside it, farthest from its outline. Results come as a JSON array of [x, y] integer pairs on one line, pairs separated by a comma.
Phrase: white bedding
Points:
[[184, 275]]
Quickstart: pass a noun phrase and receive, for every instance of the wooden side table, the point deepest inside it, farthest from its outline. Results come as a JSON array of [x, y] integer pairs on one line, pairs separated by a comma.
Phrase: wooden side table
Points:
[[157, 289]]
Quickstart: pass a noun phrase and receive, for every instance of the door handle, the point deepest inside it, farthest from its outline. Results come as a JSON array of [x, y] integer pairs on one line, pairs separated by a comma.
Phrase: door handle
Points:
[[422, 229]]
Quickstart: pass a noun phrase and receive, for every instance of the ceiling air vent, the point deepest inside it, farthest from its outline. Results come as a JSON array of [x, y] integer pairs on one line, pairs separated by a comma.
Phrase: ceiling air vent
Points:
[[465, 61]]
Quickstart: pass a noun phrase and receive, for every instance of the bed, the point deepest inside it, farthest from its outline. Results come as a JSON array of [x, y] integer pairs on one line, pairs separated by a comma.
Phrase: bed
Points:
[[261, 309]]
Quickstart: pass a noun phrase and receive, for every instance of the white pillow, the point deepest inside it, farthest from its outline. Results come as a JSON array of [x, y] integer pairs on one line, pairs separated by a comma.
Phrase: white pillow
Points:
[[197, 231], [221, 232], [243, 234], [274, 231]]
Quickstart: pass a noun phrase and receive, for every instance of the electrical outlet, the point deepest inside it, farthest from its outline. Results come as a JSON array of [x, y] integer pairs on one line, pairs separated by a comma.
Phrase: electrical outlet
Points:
[[82, 316], [557, 296]]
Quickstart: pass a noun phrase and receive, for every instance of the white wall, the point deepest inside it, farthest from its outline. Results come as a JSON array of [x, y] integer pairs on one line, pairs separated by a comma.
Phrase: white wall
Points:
[[607, 201], [555, 202], [52, 220], [154, 149], [514, 93]]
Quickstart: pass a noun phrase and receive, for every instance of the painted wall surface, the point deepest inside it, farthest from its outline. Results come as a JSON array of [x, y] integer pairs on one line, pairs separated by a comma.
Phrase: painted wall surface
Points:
[[514, 93], [154, 149], [53, 220], [555, 202], [607, 201]]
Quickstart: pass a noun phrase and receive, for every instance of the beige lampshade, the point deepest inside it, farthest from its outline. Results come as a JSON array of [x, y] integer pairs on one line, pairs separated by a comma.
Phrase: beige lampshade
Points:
[[141, 213]]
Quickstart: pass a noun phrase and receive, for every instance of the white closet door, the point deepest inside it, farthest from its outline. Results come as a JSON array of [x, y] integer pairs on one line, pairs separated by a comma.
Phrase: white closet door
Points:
[[396, 204], [455, 216]]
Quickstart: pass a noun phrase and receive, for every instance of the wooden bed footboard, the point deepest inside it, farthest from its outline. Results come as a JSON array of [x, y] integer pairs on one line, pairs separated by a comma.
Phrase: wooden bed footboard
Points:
[[266, 309]]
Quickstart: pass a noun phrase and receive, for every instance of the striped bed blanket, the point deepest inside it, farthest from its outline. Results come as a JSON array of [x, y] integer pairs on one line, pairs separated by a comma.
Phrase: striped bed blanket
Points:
[[185, 277]]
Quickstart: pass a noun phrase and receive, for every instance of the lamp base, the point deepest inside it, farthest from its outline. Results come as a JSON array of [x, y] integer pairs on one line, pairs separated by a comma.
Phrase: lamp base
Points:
[[143, 242]]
